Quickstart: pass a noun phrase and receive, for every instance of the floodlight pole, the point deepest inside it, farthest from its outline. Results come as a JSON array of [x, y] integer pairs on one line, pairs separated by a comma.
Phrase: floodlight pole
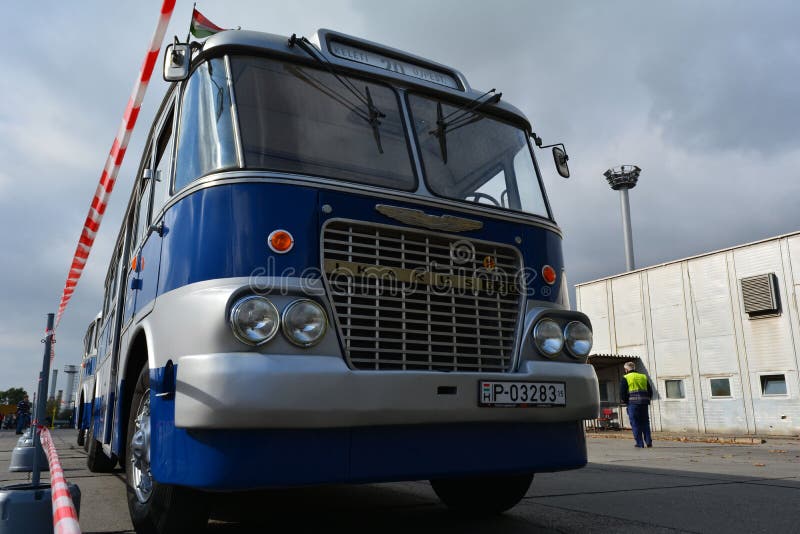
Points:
[[621, 179]]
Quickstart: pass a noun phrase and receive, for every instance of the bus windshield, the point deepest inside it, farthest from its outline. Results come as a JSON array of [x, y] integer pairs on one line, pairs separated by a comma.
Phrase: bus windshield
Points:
[[303, 120], [476, 158]]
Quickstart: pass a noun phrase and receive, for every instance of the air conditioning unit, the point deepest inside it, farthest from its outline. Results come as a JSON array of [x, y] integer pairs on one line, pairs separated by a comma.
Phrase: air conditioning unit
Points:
[[760, 295]]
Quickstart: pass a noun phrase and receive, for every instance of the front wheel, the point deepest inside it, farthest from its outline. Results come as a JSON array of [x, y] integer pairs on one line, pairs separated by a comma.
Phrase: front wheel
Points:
[[155, 508], [482, 496]]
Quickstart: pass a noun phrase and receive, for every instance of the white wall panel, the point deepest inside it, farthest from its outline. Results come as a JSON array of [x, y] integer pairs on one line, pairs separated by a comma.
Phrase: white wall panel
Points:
[[769, 344], [669, 323], [677, 415], [768, 340], [717, 355], [672, 357], [713, 316], [628, 315], [593, 301], [794, 257], [758, 259], [778, 415]]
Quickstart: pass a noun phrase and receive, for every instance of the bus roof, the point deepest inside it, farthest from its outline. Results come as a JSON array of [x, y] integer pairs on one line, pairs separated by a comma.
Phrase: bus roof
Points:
[[360, 55]]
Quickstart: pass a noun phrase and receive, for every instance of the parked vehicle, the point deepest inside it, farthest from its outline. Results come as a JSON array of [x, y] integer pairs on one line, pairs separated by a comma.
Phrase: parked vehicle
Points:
[[338, 264], [84, 395]]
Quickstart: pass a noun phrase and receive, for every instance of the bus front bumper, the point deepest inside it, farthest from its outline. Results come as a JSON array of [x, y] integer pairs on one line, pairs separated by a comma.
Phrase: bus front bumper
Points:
[[258, 391]]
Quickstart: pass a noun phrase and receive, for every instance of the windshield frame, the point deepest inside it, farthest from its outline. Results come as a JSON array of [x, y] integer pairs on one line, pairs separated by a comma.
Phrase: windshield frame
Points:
[[492, 114]]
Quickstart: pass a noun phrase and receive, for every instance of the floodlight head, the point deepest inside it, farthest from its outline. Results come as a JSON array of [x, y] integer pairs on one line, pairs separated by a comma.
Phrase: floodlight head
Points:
[[622, 177]]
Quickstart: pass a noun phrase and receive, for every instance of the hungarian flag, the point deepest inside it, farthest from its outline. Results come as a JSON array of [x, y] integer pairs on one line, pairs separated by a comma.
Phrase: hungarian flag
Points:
[[202, 27]]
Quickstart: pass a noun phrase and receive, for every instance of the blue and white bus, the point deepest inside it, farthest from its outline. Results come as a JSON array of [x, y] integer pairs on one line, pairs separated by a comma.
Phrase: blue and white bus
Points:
[[338, 265], [85, 391]]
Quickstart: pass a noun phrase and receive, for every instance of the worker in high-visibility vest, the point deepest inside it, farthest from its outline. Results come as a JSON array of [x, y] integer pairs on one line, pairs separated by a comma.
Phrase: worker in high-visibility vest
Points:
[[636, 392]]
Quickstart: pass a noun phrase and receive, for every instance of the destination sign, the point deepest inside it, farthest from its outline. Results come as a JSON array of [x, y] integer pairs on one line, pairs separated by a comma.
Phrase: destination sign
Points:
[[367, 57]]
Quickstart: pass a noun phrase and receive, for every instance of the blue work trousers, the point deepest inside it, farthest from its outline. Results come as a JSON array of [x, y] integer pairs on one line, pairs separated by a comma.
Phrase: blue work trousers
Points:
[[639, 416], [23, 422]]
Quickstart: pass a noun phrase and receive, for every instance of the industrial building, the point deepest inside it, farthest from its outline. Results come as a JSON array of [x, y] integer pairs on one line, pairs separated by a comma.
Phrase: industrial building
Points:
[[718, 334]]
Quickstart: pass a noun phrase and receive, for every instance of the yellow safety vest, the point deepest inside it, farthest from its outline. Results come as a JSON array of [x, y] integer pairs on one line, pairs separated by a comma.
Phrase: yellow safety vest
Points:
[[636, 382]]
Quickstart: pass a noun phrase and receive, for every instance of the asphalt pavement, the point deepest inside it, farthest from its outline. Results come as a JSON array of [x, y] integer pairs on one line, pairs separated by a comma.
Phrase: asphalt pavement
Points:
[[673, 487]]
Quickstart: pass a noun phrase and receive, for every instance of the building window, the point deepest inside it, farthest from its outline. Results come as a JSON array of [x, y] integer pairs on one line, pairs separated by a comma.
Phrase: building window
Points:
[[720, 387], [773, 385], [604, 387], [674, 389]]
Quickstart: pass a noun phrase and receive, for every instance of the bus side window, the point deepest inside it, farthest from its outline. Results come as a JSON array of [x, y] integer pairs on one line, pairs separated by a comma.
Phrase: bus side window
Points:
[[96, 333], [205, 133], [163, 174], [142, 213]]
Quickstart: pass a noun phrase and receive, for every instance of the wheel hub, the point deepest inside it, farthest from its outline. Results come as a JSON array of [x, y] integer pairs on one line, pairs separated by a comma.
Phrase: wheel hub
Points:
[[140, 451]]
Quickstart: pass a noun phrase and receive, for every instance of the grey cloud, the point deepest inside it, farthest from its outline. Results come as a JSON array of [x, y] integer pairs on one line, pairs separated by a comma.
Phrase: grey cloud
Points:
[[727, 78]]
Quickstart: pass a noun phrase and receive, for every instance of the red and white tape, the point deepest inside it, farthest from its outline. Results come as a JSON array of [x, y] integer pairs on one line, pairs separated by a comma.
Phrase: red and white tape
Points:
[[65, 517], [114, 160]]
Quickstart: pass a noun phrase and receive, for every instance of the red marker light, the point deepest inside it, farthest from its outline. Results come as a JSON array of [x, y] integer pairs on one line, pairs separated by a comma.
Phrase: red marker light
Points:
[[280, 241], [549, 274]]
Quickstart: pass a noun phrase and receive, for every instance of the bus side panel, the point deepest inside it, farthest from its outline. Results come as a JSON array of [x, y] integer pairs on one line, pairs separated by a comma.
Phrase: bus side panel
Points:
[[221, 232]]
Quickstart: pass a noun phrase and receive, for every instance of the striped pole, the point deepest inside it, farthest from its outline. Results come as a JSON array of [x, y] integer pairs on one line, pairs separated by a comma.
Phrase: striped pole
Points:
[[117, 153], [65, 517]]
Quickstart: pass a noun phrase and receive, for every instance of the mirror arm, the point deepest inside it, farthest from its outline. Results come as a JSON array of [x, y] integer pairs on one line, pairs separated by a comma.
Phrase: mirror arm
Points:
[[556, 144]]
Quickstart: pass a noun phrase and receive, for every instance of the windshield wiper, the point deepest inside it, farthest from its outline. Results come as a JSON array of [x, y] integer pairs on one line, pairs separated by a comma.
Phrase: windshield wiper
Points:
[[373, 115], [459, 118]]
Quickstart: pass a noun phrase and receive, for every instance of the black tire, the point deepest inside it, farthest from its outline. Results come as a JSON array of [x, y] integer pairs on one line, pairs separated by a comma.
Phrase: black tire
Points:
[[96, 459], [482, 496], [166, 509], [79, 418]]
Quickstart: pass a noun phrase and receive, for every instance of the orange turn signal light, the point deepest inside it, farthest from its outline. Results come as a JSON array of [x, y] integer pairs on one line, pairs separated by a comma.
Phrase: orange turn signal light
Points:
[[280, 241], [549, 274]]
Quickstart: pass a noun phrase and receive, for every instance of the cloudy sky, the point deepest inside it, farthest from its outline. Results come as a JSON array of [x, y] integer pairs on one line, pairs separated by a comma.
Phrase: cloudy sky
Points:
[[704, 97]]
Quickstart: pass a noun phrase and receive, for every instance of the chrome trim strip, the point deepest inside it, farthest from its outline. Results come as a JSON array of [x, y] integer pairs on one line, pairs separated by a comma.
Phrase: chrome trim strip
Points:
[[521, 312], [243, 176]]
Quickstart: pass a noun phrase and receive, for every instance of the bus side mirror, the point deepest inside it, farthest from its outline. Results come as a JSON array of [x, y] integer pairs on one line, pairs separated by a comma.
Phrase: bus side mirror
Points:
[[560, 157], [176, 62]]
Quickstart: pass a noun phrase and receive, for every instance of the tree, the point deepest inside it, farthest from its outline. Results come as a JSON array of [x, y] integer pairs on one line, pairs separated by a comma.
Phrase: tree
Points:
[[12, 396]]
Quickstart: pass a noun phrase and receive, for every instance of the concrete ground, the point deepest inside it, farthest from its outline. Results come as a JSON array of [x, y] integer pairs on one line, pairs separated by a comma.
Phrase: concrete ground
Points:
[[673, 487]]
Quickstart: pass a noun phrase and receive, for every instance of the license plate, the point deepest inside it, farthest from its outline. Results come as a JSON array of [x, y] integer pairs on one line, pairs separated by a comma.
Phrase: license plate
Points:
[[521, 394]]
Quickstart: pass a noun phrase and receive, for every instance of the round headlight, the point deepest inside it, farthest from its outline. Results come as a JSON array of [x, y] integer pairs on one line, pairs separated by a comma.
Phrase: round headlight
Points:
[[254, 320], [304, 322], [548, 337], [578, 338]]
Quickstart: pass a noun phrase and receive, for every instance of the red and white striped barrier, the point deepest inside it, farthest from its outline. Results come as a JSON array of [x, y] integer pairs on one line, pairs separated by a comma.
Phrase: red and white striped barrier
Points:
[[65, 517], [114, 160]]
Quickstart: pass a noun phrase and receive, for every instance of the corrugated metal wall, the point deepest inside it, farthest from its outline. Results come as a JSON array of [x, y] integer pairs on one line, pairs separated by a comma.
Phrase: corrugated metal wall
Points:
[[686, 321]]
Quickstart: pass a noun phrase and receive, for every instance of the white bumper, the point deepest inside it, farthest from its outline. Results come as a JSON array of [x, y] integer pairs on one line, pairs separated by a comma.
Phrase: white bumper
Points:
[[251, 390]]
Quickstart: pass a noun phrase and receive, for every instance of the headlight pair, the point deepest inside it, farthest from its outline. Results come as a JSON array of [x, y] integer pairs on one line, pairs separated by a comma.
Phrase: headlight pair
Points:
[[550, 339], [255, 320]]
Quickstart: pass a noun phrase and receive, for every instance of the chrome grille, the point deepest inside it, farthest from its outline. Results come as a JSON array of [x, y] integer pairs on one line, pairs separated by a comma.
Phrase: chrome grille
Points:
[[411, 300]]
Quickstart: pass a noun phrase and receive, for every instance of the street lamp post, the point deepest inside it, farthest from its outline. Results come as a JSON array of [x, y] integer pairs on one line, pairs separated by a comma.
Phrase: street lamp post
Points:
[[621, 179]]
